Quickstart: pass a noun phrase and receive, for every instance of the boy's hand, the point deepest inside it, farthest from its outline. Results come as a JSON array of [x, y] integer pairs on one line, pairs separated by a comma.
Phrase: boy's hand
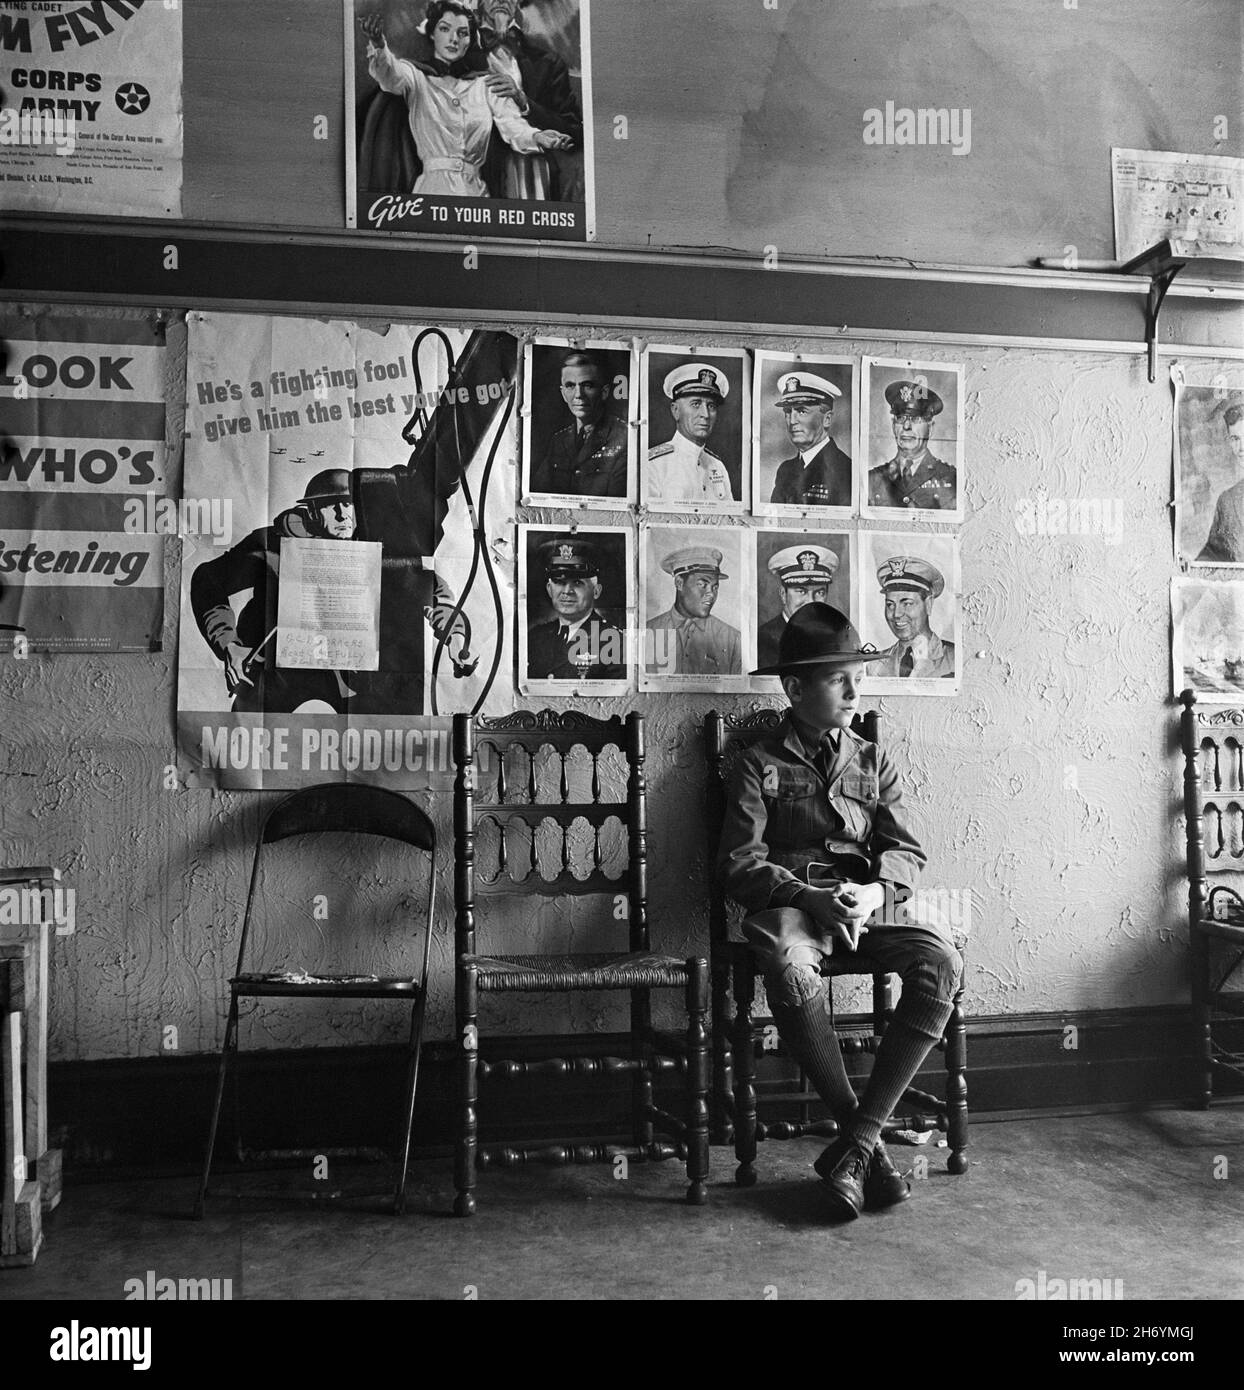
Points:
[[844, 909]]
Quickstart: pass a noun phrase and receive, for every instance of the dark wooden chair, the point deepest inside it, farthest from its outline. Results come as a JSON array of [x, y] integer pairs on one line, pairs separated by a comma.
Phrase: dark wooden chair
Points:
[[337, 808], [1213, 749], [737, 1027], [504, 767]]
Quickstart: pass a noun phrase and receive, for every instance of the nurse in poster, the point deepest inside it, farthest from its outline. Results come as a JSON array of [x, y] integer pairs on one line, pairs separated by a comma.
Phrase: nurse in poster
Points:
[[468, 116]]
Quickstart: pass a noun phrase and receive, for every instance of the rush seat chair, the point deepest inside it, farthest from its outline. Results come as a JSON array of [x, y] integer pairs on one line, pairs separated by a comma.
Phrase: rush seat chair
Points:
[[331, 810], [1213, 749], [504, 793]]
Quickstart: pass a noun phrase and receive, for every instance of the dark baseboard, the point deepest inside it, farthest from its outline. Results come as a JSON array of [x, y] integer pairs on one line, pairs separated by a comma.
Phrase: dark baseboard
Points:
[[152, 1112]]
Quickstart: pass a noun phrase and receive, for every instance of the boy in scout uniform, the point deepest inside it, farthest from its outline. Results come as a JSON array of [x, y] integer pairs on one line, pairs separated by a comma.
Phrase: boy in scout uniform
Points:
[[805, 573], [588, 457], [702, 645], [580, 643], [910, 585], [684, 470], [914, 477], [815, 836], [819, 474]]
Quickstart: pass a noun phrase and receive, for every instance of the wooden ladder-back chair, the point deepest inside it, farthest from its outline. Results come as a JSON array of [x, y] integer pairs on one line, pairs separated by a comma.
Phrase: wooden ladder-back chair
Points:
[[488, 793], [1213, 749], [335, 808], [737, 1028]]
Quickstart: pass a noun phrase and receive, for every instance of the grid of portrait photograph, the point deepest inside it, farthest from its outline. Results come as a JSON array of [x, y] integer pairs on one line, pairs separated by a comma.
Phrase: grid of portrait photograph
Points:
[[741, 484]]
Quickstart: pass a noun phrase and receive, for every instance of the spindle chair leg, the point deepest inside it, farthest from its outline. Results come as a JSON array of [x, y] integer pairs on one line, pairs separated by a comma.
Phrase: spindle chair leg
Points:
[[957, 1087], [744, 1073], [468, 1058], [697, 1083]]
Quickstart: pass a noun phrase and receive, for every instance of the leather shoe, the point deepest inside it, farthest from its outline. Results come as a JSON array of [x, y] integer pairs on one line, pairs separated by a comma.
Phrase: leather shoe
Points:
[[884, 1184], [842, 1168]]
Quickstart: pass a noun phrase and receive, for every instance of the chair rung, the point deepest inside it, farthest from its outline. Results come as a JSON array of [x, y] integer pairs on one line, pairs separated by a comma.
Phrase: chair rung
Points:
[[559, 1155], [669, 1124], [507, 1068], [795, 1129]]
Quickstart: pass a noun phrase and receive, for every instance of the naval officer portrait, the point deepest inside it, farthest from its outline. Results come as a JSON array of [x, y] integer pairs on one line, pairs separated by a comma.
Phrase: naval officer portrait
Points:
[[581, 642], [695, 413], [914, 478], [803, 574], [818, 473], [1225, 543], [910, 586], [686, 640], [587, 454]]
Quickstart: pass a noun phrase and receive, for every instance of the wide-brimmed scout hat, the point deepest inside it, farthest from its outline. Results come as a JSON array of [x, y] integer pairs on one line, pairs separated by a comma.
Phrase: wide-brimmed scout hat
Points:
[[819, 634]]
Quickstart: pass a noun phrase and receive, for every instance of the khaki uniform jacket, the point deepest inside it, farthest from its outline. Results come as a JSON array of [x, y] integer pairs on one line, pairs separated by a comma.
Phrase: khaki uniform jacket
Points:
[[782, 815]]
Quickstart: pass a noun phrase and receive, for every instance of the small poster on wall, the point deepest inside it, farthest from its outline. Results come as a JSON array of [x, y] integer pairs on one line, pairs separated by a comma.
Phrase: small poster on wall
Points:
[[471, 119], [912, 433], [1207, 639], [579, 427], [1209, 471], [804, 415], [575, 600], [794, 568], [909, 609], [696, 587]]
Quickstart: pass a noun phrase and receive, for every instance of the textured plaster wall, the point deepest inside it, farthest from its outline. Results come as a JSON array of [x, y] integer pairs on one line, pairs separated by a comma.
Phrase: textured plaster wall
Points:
[[1048, 787]]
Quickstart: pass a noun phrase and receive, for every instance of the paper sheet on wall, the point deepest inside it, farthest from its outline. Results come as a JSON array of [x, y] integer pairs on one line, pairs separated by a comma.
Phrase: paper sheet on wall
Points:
[[92, 113], [328, 609], [1196, 200]]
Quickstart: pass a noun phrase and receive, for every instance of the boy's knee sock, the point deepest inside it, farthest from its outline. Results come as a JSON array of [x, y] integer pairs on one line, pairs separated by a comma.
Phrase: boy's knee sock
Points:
[[799, 1002], [919, 1022]]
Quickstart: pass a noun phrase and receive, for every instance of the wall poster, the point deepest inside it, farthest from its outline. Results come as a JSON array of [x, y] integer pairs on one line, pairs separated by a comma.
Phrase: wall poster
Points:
[[358, 588], [83, 510], [470, 120], [92, 113]]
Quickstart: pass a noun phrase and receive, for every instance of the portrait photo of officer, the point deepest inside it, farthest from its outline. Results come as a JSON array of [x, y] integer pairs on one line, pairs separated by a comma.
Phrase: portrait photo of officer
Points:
[[915, 436], [695, 420], [1210, 430], [579, 447], [803, 419], [574, 617], [911, 610], [693, 608], [792, 571]]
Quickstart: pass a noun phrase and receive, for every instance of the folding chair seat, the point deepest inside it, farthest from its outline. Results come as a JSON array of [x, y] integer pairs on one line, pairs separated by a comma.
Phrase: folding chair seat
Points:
[[330, 810]]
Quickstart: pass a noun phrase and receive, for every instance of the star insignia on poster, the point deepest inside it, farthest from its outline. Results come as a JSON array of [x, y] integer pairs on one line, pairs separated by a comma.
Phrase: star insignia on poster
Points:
[[133, 98]]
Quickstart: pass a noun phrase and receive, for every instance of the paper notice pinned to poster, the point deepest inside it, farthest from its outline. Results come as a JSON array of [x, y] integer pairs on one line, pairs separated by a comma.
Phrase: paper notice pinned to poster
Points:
[[91, 107], [328, 610], [1193, 199]]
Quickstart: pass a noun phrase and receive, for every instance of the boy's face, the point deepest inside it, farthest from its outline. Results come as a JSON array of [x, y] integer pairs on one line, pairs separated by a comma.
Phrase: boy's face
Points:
[[828, 697]]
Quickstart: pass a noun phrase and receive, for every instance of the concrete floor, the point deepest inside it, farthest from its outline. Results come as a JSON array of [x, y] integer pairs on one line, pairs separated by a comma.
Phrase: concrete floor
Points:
[[1132, 1198]]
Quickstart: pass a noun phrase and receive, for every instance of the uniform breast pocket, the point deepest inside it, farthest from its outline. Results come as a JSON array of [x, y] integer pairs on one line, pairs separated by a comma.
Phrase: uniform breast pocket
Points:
[[794, 811], [860, 786]]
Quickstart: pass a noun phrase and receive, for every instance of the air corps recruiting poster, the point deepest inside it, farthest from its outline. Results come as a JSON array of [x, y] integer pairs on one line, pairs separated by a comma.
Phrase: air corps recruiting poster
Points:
[[91, 113], [470, 120], [347, 572], [81, 478]]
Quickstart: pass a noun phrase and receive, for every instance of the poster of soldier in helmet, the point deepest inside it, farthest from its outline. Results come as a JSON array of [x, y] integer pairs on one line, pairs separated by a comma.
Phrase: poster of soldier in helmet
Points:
[[911, 433], [804, 416], [355, 602], [575, 601], [696, 587], [580, 424], [908, 593], [794, 568], [695, 430]]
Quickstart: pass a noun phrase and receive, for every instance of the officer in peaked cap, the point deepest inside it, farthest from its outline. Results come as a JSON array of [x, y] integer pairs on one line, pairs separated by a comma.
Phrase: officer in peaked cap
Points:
[[914, 477], [909, 586], [700, 645], [818, 474], [684, 469], [581, 642], [804, 573]]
